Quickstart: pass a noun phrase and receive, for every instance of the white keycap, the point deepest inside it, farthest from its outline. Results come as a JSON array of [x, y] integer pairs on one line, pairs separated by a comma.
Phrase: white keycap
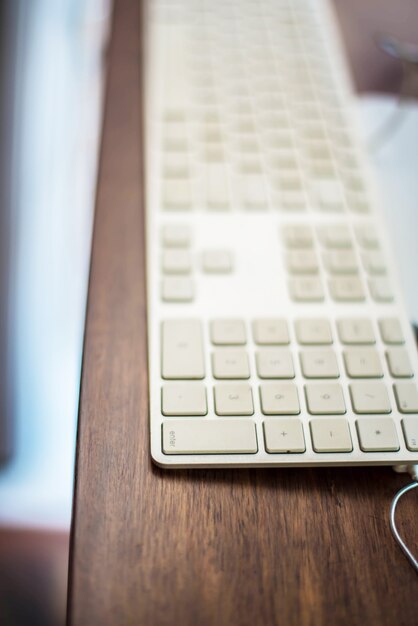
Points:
[[176, 261], [274, 364], [228, 363], [217, 261], [291, 200], [177, 194], [176, 235], [270, 332], [177, 289], [406, 395], [410, 431], [297, 236], [325, 399], [313, 331], [233, 399], [347, 289], [377, 435], [176, 165], [370, 398], [209, 437], [356, 331], [216, 184], [319, 364], [380, 290], [279, 399], [228, 332], [184, 399], [341, 262], [335, 236], [174, 136], [253, 191], [182, 349], [363, 363], [358, 201], [367, 237], [331, 435], [289, 182], [391, 331], [306, 289], [329, 193], [283, 436], [302, 262], [374, 262], [399, 363]]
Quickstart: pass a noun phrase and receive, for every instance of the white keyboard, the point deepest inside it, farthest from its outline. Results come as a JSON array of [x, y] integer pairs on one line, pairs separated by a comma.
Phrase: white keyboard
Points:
[[277, 334]]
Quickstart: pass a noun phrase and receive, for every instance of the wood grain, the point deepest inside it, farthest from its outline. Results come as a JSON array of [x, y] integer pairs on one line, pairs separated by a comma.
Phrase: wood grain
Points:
[[202, 547]]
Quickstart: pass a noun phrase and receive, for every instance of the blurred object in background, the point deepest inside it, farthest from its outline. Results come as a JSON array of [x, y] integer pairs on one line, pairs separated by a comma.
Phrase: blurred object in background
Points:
[[361, 22], [7, 88], [51, 78]]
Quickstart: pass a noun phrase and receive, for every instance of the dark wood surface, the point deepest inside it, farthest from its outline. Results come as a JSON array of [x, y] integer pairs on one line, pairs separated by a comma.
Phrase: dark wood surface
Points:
[[202, 548]]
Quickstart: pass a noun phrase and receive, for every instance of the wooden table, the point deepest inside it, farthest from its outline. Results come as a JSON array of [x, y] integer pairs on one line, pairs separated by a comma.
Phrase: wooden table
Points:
[[202, 547]]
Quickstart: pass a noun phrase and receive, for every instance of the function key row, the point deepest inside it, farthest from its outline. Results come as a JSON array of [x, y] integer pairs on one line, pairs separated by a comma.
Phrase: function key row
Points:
[[236, 399], [233, 363]]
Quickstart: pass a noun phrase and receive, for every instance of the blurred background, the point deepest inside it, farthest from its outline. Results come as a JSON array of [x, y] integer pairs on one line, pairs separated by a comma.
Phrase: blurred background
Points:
[[52, 79], [52, 62]]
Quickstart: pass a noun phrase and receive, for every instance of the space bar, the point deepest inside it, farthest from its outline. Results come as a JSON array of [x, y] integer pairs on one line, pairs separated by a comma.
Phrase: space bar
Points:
[[232, 436]]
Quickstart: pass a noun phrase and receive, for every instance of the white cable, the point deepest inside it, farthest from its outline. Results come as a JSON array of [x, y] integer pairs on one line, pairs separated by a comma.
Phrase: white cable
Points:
[[407, 552]]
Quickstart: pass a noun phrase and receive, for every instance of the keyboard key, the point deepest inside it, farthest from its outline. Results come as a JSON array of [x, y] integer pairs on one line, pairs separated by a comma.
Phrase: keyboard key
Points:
[[279, 399], [335, 236], [370, 398], [228, 363], [367, 237], [270, 332], [217, 261], [184, 399], [176, 289], [377, 435], [182, 350], [176, 262], [274, 364], [331, 435], [313, 331], [234, 399], [176, 165], [380, 290], [356, 331], [292, 200], [341, 262], [348, 289], [177, 194], [302, 262], [284, 436], [391, 331], [176, 235], [209, 437], [174, 136], [399, 363], [319, 364], [325, 399], [228, 332], [364, 363], [253, 191], [306, 289], [374, 262], [410, 431], [329, 194], [406, 395], [216, 184], [297, 236]]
